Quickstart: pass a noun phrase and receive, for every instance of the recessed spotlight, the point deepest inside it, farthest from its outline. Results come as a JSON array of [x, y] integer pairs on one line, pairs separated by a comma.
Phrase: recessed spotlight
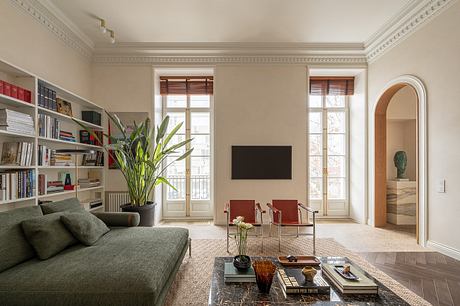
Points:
[[103, 27], [112, 36]]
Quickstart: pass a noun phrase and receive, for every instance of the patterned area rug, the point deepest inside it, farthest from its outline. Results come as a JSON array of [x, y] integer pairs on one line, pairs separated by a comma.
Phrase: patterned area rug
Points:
[[192, 283]]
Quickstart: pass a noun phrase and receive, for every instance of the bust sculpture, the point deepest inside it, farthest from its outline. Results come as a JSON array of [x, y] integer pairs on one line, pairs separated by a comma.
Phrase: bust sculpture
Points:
[[400, 160]]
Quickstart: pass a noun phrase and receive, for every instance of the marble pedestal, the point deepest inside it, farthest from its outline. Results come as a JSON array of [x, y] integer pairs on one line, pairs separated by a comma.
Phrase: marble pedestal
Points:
[[401, 202]]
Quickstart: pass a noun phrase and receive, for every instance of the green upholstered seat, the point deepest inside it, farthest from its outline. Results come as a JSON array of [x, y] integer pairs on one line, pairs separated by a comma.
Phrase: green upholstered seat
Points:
[[14, 247], [127, 266]]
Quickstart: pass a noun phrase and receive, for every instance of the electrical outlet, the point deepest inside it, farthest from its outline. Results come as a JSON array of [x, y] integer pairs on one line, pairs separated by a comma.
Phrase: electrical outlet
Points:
[[442, 186]]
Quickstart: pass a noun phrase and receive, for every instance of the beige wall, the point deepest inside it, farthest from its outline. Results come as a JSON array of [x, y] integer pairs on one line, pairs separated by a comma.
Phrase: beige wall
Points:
[[30, 46], [432, 55], [122, 89], [402, 131], [259, 105], [358, 149]]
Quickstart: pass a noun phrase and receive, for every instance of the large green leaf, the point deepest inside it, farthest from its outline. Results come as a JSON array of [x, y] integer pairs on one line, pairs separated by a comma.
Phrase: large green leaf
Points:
[[162, 129]]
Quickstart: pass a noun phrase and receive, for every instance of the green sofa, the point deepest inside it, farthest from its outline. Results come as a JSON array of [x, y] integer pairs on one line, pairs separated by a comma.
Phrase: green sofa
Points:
[[129, 265]]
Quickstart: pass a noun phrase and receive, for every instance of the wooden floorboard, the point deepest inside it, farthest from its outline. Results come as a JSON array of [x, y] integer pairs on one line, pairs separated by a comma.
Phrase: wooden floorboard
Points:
[[431, 275]]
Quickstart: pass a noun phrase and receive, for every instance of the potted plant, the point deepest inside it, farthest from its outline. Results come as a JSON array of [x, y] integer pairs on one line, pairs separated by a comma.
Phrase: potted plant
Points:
[[242, 261], [141, 159]]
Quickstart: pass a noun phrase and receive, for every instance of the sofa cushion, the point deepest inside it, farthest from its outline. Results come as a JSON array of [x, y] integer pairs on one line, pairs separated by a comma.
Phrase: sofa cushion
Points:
[[72, 204], [48, 235], [14, 247], [127, 266], [86, 227]]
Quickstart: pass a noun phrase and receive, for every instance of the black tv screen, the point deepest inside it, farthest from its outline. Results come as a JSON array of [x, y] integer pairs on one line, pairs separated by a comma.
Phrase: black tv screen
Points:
[[262, 162]]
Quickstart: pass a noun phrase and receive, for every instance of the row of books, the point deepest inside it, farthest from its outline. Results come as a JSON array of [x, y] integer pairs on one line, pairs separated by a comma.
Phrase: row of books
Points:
[[16, 92], [48, 126], [86, 137], [47, 187], [17, 122], [17, 153], [47, 97], [67, 136], [95, 159], [62, 160], [88, 182], [17, 185]]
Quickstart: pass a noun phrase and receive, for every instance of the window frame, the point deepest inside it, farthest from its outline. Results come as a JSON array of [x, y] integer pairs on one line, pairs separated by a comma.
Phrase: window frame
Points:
[[324, 202], [188, 201]]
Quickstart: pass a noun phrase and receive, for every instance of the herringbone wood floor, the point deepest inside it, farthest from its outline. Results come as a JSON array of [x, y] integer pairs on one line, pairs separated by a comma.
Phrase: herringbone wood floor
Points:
[[431, 275]]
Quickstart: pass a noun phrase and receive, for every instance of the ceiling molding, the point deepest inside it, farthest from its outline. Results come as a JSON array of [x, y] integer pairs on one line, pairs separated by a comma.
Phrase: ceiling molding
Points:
[[415, 14], [356, 61], [68, 34], [412, 17]]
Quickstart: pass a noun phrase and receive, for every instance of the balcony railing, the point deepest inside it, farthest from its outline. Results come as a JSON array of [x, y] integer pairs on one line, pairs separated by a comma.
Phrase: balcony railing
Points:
[[200, 187]]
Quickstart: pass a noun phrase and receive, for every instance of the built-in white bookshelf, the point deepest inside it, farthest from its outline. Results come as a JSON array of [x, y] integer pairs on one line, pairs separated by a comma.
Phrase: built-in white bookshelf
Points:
[[28, 81]]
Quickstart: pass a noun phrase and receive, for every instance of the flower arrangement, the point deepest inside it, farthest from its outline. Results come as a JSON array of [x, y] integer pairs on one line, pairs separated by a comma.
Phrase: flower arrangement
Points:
[[242, 229]]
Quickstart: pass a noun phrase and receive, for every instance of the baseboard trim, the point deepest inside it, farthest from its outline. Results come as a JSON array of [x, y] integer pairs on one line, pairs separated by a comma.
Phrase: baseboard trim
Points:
[[444, 249]]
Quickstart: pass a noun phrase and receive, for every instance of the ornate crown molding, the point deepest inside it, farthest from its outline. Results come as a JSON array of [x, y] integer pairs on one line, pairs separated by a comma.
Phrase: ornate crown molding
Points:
[[69, 35], [229, 59], [411, 18]]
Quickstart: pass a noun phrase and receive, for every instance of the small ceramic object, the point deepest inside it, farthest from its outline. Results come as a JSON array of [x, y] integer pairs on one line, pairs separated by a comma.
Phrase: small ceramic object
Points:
[[309, 273]]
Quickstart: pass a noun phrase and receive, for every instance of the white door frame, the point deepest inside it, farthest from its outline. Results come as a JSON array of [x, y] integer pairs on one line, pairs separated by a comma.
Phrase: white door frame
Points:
[[419, 88]]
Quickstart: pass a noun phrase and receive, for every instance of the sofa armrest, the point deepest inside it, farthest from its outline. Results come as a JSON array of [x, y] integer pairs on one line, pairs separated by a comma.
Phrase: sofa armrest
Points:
[[126, 219]]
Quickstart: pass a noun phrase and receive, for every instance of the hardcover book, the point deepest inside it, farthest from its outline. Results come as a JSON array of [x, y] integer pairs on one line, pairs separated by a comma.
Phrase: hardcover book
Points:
[[233, 275], [363, 285], [10, 153], [292, 281], [64, 107]]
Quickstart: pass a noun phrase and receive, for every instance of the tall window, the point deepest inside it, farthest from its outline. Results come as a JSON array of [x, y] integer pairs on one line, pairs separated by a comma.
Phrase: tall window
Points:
[[328, 151], [191, 177]]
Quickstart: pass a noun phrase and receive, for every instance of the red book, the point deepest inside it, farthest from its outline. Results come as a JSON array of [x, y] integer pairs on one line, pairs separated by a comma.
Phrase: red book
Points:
[[6, 88], [27, 96], [21, 93], [1, 87], [14, 91]]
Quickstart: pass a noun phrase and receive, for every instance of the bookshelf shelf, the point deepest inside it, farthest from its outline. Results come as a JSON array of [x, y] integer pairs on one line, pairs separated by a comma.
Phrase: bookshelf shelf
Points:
[[55, 194], [17, 200], [16, 167], [14, 134], [14, 102], [96, 208], [90, 167], [77, 144], [57, 167], [29, 82], [90, 188]]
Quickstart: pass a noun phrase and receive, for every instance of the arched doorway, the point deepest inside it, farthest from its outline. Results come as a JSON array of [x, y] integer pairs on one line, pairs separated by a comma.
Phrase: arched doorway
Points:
[[378, 154]]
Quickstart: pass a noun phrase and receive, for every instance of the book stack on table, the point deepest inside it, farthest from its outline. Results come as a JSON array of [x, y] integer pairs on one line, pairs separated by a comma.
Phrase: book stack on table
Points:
[[292, 281], [233, 275], [362, 285]]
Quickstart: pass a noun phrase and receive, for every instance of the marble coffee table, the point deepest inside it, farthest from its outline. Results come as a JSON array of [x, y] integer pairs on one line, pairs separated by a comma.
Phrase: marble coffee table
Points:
[[248, 294]]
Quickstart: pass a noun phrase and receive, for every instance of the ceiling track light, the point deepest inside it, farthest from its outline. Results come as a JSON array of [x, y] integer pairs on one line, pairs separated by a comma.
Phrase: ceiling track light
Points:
[[112, 36], [103, 27]]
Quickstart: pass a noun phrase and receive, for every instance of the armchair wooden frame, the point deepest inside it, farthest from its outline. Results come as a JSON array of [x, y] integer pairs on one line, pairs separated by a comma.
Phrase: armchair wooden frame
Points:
[[258, 212], [279, 222]]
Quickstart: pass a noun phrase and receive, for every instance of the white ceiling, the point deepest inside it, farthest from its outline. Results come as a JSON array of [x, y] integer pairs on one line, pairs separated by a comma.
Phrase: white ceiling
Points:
[[293, 21]]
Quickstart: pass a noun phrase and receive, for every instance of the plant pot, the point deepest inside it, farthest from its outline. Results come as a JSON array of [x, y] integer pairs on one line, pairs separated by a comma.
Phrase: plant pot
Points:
[[147, 212], [242, 262]]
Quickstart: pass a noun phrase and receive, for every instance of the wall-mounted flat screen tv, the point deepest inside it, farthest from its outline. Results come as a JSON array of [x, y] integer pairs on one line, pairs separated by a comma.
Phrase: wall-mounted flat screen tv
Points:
[[262, 162]]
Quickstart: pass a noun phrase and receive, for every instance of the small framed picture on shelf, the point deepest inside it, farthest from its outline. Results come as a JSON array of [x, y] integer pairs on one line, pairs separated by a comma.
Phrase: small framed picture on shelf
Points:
[[64, 107]]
